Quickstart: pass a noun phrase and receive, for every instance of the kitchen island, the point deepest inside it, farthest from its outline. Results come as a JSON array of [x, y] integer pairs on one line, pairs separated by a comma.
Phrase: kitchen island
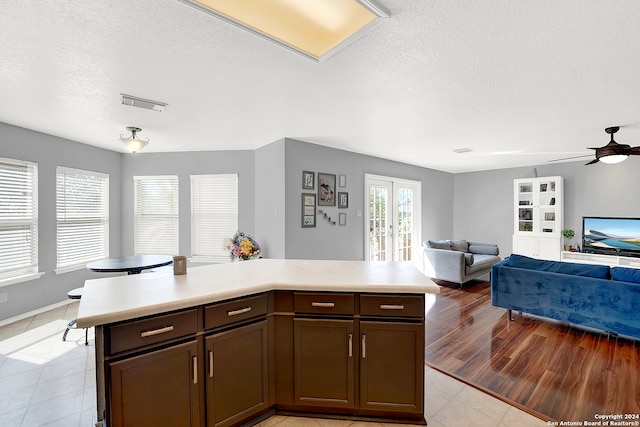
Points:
[[231, 344]]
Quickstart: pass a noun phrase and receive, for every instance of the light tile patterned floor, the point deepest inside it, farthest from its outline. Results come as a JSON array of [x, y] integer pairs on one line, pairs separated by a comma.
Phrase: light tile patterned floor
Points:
[[47, 382]]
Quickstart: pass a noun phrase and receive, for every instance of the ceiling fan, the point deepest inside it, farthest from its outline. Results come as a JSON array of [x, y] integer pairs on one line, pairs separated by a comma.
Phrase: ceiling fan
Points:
[[611, 153]]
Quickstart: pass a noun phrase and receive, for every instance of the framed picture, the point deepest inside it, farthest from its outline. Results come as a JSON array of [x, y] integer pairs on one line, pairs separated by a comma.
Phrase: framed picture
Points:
[[342, 181], [549, 216], [543, 187], [308, 210], [342, 218], [326, 189], [308, 180], [343, 200]]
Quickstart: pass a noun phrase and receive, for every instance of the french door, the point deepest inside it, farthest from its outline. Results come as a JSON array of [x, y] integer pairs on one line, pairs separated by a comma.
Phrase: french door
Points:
[[393, 217]]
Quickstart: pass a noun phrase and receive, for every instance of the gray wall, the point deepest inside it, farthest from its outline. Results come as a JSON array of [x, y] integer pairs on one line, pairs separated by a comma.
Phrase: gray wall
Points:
[[483, 201], [49, 152], [335, 242], [185, 164], [270, 217]]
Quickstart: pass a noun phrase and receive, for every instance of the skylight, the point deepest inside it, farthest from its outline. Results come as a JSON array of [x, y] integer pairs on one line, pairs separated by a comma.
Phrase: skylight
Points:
[[313, 28]]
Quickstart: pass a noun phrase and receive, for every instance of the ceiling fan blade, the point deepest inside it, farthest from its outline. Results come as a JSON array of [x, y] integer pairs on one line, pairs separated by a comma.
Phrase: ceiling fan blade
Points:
[[569, 158], [635, 151], [591, 162]]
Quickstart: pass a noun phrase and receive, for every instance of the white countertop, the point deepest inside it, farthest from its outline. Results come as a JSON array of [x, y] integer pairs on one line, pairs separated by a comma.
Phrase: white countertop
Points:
[[112, 299]]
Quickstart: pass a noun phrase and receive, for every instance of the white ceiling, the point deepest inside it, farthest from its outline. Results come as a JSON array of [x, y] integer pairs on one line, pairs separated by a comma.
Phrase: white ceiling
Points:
[[520, 82]]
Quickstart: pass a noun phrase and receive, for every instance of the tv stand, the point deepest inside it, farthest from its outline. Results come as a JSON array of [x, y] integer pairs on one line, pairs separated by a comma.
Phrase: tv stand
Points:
[[610, 260]]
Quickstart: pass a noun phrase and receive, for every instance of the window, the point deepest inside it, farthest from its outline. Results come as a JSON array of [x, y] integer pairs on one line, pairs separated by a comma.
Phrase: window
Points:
[[156, 215], [18, 221], [82, 218], [214, 215]]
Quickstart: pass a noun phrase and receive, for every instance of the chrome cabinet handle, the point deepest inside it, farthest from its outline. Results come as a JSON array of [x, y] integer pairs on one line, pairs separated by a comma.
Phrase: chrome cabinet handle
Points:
[[350, 345], [391, 307], [323, 304], [364, 346], [195, 369], [158, 331], [211, 364], [240, 311]]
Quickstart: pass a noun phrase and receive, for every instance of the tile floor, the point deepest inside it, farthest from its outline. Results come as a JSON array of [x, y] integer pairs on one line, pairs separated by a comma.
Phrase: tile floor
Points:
[[47, 382]]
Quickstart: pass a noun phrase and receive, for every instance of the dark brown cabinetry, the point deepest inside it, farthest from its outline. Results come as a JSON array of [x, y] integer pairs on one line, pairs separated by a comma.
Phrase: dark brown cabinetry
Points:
[[324, 362], [157, 388], [391, 366], [228, 363], [237, 374]]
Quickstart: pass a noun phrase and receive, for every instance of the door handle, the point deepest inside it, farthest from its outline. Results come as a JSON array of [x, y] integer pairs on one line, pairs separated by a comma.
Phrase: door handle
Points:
[[195, 369], [350, 345], [364, 346], [211, 364]]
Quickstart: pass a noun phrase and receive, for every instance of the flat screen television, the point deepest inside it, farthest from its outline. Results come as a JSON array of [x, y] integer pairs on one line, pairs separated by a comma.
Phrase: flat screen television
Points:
[[611, 236]]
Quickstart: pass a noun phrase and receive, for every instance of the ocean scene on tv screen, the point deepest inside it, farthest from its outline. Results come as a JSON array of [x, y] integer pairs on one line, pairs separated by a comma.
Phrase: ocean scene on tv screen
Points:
[[612, 233]]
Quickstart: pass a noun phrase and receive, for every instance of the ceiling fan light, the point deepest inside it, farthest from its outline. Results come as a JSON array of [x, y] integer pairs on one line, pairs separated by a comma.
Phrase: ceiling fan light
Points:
[[613, 159]]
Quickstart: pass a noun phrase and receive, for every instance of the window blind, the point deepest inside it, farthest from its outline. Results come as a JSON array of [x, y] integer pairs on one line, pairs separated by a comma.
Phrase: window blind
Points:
[[18, 219], [214, 215], [82, 218], [156, 215]]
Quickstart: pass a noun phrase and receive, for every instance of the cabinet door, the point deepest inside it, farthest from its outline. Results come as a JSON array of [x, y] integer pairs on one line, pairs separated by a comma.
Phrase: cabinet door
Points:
[[324, 362], [237, 374], [391, 366], [156, 388]]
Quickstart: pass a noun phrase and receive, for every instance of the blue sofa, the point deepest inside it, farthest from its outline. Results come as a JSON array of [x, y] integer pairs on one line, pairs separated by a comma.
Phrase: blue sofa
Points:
[[595, 296]]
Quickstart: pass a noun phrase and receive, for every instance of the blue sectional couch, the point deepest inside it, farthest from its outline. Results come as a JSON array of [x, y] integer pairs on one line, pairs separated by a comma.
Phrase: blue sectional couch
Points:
[[595, 296]]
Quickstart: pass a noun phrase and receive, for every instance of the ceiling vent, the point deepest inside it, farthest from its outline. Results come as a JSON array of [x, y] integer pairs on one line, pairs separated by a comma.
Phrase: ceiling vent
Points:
[[147, 104], [462, 150]]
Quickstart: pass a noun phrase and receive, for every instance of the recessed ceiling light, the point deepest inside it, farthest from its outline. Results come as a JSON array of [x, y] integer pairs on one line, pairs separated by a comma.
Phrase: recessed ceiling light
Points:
[[313, 28]]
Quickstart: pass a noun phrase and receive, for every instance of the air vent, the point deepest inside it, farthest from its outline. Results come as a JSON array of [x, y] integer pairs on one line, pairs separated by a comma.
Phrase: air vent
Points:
[[147, 104], [462, 150]]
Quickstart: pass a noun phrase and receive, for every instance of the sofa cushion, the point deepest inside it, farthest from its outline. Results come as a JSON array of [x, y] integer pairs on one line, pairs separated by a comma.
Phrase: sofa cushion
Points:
[[482, 248], [624, 274], [439, 244], [575, 269], [468, 259], [459, 245]]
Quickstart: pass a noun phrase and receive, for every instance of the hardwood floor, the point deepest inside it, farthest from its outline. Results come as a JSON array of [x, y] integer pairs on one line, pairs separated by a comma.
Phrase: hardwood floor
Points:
[[547, 368]]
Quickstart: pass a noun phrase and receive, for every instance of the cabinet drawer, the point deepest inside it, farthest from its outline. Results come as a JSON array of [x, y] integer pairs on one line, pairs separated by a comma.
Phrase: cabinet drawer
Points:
[[323, 303], [235, 311], [138, 333], [392, 305]]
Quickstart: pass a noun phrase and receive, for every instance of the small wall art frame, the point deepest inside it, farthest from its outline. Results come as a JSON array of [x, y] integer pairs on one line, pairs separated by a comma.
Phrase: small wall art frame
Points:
[[342, 219], [342, 181], [308, 180], [308, 210], [326, 189], [343, 200]]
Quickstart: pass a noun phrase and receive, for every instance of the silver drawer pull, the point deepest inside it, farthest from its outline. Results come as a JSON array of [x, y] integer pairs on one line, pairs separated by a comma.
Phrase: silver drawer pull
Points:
[[391, 307], [240, 311], [323, 304], [158, 331]]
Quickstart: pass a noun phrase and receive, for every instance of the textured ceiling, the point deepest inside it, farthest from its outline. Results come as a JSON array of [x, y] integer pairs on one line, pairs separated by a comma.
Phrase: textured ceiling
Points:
[[516, 81]]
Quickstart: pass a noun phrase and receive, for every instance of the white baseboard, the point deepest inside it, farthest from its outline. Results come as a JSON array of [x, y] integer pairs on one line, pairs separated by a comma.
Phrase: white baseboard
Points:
[[34, 312]]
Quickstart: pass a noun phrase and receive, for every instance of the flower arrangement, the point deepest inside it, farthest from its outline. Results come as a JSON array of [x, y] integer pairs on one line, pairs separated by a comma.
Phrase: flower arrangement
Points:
[[243, 247]]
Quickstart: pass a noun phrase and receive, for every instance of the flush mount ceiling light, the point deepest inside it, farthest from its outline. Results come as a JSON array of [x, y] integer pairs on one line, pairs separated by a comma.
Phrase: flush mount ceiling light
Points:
[[133, 143], [313, 28]]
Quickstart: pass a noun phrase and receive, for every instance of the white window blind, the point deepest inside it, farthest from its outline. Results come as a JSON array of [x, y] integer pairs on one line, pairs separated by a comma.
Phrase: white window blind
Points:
[[214, 215], [156, 215], [82, 218], [18, 220]]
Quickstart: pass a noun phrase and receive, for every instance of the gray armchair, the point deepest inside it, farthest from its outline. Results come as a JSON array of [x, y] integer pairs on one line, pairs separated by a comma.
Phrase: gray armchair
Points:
[[458, 261]]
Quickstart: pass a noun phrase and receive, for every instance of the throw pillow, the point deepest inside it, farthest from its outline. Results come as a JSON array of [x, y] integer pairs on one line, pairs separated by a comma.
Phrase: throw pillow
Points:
[[459, 245], [468, 259], [624, 274], [575, 269], [439, 244], [484, 249]]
